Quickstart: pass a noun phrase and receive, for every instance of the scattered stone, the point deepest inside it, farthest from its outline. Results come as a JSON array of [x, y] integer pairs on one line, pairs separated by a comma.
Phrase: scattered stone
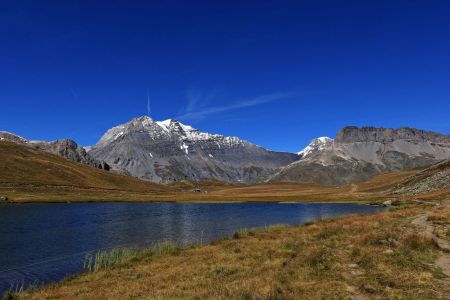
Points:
[[3, 198], [389, 242], [388, 251]]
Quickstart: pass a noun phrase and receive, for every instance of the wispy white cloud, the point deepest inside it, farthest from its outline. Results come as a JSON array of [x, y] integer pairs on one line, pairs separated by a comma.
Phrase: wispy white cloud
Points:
[[194, 97], [198, 99], [196, 114]]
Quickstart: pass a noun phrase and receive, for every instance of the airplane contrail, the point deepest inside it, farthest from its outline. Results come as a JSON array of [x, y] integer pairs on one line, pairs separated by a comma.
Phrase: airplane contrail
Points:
[[148, 105]]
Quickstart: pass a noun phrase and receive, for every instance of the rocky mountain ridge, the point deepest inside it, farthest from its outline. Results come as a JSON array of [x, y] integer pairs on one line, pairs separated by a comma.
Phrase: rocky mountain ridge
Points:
[[360, 153], [168, 151], [353, 134]]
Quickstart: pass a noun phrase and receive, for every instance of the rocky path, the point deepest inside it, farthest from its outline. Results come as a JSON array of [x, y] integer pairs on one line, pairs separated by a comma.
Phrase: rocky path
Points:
[[428, 229], [443, 262]]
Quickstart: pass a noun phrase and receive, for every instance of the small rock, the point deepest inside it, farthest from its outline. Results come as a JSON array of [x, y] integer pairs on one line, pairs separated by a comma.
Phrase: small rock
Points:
[[352, 266], [369, 288], [387, 203], [388, 251], [351, 289], [3, 198]]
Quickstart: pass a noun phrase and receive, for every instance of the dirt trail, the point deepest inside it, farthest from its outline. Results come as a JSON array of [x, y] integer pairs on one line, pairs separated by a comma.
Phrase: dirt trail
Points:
[[443, 261]]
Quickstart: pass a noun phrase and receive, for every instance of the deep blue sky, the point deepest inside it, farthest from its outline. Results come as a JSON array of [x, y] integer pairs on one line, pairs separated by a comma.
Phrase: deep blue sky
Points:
[[277, 73]]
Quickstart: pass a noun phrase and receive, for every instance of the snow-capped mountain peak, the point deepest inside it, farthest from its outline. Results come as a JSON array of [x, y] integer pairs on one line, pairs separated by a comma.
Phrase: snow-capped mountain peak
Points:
[[315, 146], [165, 151]]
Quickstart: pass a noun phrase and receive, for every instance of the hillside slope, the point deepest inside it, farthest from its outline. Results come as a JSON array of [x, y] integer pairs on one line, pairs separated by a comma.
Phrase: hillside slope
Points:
[[63, 147], [433, 179], [27, 170]]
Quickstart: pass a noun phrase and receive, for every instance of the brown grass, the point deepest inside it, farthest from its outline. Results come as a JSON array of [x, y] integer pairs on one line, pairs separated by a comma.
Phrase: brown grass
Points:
[[440, 216], [379, 256], [441, 221], [25, 171]]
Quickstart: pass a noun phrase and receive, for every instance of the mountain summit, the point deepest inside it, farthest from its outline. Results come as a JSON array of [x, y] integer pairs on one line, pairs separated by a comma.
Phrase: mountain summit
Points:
[[316, 145], [166, 151]]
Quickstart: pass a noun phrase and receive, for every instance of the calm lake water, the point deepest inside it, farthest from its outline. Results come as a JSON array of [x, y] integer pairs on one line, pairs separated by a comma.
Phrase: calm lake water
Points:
[[41, 243]]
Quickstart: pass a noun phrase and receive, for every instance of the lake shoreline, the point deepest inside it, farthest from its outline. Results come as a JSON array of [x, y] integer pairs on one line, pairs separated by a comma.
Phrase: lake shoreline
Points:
[[361, 202], [296, 247], [49, 233]]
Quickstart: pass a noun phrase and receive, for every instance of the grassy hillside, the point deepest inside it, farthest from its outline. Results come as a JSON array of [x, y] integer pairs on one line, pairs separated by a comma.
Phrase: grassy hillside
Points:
[[31, 173], [372, 190]]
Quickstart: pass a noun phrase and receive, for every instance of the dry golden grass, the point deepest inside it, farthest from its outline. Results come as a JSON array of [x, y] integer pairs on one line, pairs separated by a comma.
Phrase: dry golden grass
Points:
[[26, 171], [441, 220], [438, 195], [440, 216], [377, 257]]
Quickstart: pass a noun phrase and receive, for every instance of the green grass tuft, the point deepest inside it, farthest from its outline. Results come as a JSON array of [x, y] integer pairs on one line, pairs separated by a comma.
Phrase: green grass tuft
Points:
[[119, 256], [252, 231]]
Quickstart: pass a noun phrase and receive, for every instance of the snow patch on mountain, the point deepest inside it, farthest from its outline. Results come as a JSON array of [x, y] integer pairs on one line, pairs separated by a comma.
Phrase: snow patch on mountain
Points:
[[316, 145]]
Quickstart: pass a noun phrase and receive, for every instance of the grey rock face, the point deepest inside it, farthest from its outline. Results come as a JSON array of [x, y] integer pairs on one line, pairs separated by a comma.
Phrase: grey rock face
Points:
[[353, 134], [65, 148], [357, 154], [169, 150], [10, 137], [70, 150]]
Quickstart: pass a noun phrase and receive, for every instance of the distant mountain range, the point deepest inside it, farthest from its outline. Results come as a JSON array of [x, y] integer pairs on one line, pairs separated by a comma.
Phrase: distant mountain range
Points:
[[169, 151]]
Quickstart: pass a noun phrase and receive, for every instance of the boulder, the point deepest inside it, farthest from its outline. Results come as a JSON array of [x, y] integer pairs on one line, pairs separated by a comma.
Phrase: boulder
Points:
[[3, 198]]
